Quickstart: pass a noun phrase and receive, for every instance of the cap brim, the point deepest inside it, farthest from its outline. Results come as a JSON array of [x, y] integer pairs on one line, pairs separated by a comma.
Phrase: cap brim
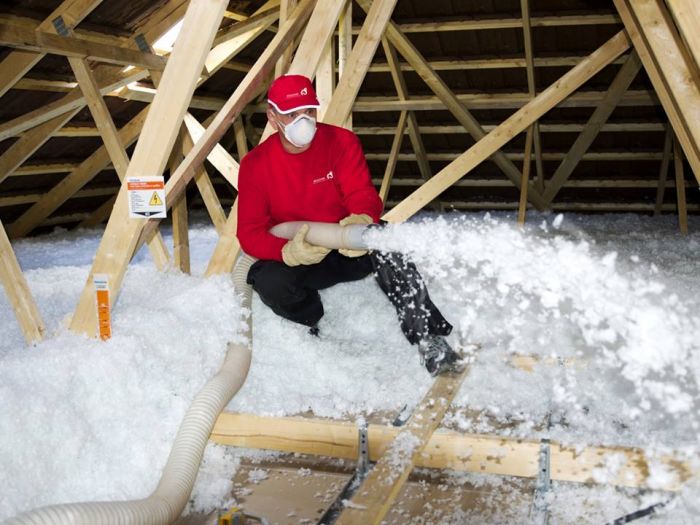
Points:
[[296, 108]]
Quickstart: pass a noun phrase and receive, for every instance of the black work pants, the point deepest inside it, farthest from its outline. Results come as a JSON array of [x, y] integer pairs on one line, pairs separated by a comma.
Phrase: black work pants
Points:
[[292, 291]]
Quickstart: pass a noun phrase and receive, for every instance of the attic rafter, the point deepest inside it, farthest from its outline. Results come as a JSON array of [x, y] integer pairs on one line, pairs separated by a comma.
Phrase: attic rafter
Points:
[[18, 63], [122, 235], [12, 278], [42, 42], [671, 69], [686, 14], [515, 124], [450, 101], [622, 81]]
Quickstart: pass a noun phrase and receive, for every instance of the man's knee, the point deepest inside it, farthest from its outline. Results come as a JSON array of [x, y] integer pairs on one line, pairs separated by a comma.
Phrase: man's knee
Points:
[[275, 281]]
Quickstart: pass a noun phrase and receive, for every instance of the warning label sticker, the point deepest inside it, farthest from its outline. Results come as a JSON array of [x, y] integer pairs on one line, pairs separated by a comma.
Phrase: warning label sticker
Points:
[[146, 197]]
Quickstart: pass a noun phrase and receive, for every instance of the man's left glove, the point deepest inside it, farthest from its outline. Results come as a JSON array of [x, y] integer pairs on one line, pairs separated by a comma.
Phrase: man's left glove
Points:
[[354, 218], [299, 251]]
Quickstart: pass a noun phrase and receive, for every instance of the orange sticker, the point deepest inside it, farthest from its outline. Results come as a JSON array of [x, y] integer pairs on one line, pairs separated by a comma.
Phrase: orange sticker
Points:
[[104, 316]]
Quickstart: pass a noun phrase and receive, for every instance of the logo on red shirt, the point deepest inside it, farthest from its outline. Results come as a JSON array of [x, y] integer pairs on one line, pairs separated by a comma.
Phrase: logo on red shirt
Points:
[[329, 176]]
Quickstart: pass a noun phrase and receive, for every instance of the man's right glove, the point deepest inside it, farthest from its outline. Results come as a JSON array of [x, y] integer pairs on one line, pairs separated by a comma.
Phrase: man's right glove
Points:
[[298, 251]]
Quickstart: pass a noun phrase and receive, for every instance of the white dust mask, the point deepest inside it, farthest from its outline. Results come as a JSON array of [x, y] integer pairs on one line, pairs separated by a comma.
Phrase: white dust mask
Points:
[[300, 131]]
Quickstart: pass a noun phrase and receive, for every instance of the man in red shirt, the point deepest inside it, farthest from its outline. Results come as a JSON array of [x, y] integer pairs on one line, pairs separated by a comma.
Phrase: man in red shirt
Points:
[[309, 171]]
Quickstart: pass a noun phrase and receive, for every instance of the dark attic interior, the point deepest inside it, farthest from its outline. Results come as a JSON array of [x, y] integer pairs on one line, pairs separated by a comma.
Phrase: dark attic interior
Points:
[[522, 106]]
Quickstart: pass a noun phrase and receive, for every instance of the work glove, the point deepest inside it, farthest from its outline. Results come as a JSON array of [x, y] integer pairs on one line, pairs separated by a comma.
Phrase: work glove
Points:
[[297, 251], [355, 218]]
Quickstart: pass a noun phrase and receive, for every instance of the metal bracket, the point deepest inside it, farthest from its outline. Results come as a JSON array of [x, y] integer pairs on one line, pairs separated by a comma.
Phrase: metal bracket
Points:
[[540, 507], [142, 43], [60, 26], [362, 450]]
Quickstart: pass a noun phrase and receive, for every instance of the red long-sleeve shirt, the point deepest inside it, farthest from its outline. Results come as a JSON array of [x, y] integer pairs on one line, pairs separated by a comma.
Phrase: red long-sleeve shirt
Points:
[[325, 183]]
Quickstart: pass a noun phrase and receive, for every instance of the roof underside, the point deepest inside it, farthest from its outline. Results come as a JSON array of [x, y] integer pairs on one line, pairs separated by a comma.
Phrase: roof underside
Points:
[[484, 67]]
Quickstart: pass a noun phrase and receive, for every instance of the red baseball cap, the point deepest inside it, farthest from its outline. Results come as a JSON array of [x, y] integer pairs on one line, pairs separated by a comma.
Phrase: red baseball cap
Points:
[[291, 92]]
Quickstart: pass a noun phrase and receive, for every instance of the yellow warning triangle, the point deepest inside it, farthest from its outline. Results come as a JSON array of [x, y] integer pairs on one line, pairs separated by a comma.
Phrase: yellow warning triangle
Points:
[[155, 200]]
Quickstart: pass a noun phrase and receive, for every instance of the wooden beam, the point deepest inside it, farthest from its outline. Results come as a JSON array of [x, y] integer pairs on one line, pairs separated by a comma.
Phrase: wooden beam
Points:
[[476, 24], [8, 199], [532, 90], [121, 236], [358, 62], [450, 101], [620, 84], [325, 78], [41, 42], [345, 46], [672, 71], [448, 156], [206, 190], [553, 127], [108, 81], [70, 184], [515, 124], [225, 51], [686, 14], [378, 491], [505, 183], [218, 156], [262, 18], [15, 65], [527, 162], [28, 143], [663, 171], [496, 101], [18, 293], [486, 454], [484, 63], [179, 216], [393, 157], [286, 7], [152, 150], [680, 187]]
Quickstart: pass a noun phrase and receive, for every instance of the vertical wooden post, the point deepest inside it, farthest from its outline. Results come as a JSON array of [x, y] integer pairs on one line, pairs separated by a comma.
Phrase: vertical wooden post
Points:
[[532, 89], [18, 292], [325, 78], [680, 187], [179, 216], [393, 155], [663, 171], [286, 7], [527, 162], [345, 46]]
